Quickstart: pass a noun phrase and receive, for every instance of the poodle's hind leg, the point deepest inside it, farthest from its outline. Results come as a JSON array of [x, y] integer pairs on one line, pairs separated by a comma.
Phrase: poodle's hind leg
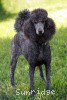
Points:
[[12, 68], [41, 72], [14, 57]]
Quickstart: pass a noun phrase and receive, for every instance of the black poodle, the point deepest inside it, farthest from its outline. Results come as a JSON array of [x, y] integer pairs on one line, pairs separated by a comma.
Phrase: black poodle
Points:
[[34, 30]]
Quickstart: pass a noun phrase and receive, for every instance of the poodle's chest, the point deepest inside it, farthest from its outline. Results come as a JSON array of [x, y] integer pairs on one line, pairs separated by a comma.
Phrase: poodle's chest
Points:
[[41, 53], [38, 51]]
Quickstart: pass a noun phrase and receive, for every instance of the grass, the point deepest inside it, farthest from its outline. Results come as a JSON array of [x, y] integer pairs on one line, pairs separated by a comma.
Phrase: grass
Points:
[[57, 10]]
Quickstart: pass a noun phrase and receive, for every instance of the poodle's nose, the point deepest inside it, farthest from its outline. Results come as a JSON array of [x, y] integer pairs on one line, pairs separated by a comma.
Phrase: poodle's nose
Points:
[[40, 32]]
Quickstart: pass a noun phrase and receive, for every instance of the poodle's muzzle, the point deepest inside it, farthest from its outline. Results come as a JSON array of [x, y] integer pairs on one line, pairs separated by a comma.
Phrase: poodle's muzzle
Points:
[[39, 27]]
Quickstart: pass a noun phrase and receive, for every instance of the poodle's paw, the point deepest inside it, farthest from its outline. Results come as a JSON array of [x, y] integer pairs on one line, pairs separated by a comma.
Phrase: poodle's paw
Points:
[[32, 93]]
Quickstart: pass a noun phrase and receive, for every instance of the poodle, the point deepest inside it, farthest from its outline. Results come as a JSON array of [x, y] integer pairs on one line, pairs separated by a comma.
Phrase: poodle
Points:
[[34, 30]]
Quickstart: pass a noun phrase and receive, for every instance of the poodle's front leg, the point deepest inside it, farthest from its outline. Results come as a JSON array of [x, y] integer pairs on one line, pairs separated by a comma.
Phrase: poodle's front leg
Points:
[[41, 72], [48, 71], [31, 74]]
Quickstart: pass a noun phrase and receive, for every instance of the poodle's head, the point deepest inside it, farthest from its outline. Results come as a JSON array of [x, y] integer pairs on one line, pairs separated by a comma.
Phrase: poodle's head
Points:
[[38, 18]]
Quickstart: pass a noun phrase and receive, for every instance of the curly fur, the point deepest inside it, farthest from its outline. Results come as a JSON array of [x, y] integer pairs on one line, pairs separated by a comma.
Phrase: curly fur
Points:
[[32, 40], [22, 16]]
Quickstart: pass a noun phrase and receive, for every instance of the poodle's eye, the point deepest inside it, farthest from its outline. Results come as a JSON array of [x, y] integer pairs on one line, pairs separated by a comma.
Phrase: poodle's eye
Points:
[[35, 22], [43, 21]]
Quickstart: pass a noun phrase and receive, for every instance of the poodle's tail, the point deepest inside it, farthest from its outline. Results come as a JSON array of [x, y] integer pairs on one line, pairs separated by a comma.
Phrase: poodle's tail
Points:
[[22, 16]]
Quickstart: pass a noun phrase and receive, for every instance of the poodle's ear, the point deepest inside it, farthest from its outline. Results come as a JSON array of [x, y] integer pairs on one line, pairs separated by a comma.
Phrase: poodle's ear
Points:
[[50, 26], [49, 23]]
